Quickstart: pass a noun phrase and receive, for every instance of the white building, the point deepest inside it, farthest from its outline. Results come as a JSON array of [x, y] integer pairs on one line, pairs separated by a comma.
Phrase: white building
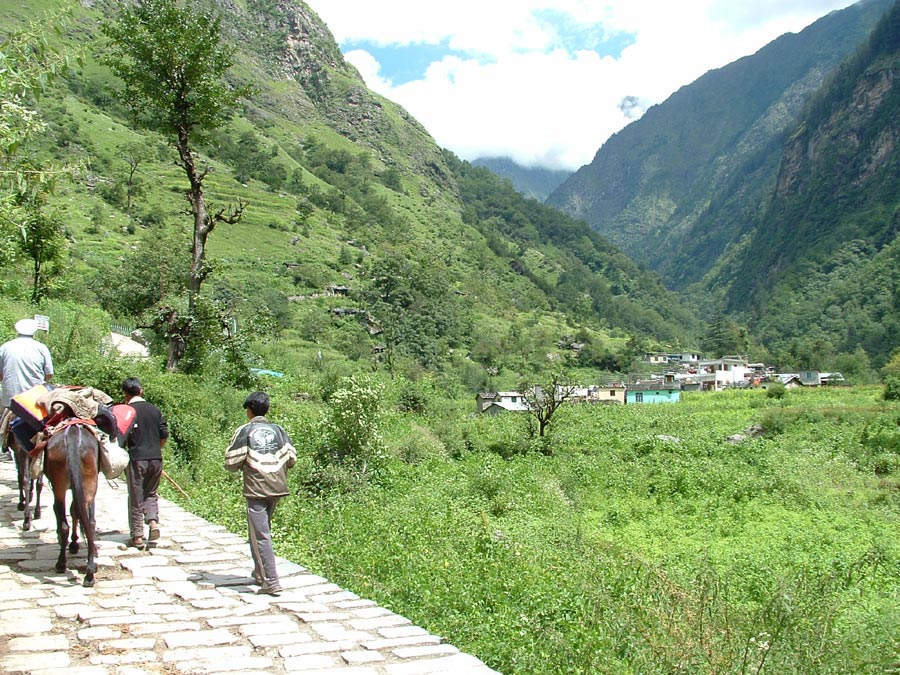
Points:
[[729, 371], [499, 401]]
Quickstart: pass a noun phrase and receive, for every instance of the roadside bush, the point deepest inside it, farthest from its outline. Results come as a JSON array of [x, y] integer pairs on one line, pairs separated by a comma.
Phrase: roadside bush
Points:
[[892, 388], [776, 390], [420, 446], [350, 430]]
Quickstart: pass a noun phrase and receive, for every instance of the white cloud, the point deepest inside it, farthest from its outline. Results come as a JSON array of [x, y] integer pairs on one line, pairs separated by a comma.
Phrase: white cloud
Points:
[[526, 94]]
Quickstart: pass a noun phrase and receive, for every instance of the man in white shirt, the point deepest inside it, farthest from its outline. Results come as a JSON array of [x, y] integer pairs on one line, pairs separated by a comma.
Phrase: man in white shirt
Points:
[[24, 363]]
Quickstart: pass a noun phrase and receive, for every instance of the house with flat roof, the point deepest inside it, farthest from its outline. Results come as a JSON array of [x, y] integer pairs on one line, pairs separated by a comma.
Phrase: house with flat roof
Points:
[[655, 391], [729, 371]]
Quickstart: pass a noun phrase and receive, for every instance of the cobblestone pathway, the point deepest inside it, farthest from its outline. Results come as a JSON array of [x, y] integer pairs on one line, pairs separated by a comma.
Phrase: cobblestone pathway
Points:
[[187, 607]]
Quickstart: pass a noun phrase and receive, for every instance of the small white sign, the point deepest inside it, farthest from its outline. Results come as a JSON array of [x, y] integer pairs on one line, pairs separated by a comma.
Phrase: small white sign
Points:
[[43, 322]]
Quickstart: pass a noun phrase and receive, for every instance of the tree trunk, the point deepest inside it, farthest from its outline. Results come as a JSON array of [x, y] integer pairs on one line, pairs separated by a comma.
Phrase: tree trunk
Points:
[[36, 281], [203, 225]]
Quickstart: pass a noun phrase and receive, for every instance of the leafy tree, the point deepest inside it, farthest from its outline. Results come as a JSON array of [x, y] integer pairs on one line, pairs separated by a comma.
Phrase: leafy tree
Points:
[[892, 367], [27, 64], [724, 336], [391, 179], [172, 61], [155, 266], [415, 307], [892, 388], [42, 239], [544, 399], [133, 154]]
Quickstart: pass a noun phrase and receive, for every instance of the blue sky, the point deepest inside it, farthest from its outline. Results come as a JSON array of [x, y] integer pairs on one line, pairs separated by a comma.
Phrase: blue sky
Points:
[[546, 82]]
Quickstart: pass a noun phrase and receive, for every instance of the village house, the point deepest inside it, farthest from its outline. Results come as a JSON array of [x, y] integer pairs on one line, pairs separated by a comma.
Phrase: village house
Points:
[[789, 380], [656, 391], [808, 378], [717, 374], [495, 402], [613, 393], [663, 358]]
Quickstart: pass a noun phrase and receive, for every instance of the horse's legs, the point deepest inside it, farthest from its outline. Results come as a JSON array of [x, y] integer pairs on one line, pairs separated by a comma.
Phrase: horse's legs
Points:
[[73, 511], [38, 486], [26, 486], [21, 476], [62, 531], [91, 563], [26, 522]]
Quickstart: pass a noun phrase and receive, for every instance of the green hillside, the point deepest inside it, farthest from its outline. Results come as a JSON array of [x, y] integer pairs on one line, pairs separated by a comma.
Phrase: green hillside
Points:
[[339, 184]]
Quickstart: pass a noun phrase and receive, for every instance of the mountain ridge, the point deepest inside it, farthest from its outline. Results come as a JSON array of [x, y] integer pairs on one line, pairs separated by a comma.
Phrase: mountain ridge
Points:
[[648, 187]]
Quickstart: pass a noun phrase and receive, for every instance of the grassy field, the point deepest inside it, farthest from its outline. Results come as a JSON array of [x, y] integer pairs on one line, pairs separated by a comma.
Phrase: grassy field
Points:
[[648, 542]]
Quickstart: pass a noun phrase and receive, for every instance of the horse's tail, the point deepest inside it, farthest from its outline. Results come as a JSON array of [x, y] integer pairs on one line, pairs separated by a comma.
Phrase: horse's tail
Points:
[[76, 481]]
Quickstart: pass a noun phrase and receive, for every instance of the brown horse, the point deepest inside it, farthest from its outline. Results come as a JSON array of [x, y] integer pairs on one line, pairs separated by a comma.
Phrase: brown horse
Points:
[[71, 462], [28, 487]]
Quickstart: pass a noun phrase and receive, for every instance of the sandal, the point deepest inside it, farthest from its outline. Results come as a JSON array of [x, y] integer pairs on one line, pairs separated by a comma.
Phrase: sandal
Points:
[[136, 542], [154, 530]]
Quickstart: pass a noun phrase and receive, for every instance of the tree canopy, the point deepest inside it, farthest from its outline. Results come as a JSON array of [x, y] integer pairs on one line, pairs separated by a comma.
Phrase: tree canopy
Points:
[[172, 59]]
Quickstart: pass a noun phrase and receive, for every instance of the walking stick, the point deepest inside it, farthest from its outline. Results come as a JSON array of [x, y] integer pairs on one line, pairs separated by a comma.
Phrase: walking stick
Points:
[[177, 486]]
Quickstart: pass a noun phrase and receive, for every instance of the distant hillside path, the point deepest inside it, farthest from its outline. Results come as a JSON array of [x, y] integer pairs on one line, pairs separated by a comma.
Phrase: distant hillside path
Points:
[[187, 607]]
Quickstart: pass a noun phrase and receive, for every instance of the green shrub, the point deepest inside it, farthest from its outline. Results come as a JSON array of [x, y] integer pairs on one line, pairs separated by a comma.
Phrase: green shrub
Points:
[[350, 430], [892, 388], [420, 446], [774, 422], [776, 390], [415, 397]]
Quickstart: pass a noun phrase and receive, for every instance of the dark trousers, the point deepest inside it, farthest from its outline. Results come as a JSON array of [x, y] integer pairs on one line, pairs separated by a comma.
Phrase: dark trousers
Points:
[[143, 477], [23, 433], [259, 520]]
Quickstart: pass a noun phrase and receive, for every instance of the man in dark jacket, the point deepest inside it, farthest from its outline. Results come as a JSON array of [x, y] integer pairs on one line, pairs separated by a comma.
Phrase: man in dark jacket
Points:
[[263, 451], [144, 440]]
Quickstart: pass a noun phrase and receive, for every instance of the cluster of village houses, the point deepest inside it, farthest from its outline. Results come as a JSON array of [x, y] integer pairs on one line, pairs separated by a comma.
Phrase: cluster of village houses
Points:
[[682, 372]]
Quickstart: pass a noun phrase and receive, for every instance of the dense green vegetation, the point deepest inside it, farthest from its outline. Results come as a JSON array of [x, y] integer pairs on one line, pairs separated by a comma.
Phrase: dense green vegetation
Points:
[[650, 538]]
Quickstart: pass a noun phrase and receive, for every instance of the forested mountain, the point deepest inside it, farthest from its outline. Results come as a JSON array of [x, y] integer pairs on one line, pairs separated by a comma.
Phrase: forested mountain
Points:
[[769, 189], [819, 273], [534, 182], [359, 238], [676, 187]]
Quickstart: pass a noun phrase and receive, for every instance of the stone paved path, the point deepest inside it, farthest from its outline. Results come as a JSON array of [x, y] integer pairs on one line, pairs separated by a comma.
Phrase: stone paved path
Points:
[[187, 607]]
